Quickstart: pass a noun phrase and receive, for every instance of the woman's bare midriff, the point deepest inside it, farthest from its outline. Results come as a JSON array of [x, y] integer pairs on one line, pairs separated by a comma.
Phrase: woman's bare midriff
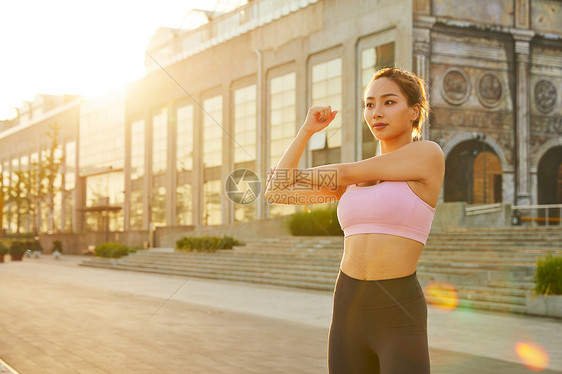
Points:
[[379, 256]]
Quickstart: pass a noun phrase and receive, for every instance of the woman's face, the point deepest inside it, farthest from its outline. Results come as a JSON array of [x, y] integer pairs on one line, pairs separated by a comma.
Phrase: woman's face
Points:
[[387, 112]]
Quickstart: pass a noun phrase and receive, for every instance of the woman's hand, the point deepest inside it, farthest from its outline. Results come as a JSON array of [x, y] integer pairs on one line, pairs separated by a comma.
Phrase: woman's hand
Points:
[[270, 174], [318, 118]]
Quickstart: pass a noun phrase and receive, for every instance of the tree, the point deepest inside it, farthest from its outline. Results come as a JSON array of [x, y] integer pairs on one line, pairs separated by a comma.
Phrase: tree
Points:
[[28, 188], [16, 195], [51, 161]]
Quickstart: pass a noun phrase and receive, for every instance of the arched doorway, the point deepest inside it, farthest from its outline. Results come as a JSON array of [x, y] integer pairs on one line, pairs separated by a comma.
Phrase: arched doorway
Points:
[[549, 175], [473, 174]]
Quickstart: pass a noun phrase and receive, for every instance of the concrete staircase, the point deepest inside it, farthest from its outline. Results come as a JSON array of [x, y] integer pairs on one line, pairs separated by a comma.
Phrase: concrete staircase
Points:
[[490, 269]]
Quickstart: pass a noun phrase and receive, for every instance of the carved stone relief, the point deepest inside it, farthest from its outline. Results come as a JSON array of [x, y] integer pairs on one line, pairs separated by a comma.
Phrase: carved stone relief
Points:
[[455, 86], [545, 96], [522, 13], [546, 125], [489, 89], [471, 119], [537, 142], [503, 138]]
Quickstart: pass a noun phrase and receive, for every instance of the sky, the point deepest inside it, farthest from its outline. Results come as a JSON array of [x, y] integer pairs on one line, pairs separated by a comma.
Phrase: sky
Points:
[[80, 47]]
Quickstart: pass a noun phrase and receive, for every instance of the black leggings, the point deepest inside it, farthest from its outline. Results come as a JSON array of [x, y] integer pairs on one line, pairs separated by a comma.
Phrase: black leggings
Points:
[[378, 326]]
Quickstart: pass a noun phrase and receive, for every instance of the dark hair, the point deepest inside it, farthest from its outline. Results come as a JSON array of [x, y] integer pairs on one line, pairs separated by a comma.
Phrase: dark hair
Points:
[[413, 88]]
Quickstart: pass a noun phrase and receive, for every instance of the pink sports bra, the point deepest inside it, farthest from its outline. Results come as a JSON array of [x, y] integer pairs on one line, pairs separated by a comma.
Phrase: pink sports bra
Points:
[[390, 207]]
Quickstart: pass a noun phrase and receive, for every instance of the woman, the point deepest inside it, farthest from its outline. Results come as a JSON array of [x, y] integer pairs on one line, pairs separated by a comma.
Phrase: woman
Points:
[[379, 317]]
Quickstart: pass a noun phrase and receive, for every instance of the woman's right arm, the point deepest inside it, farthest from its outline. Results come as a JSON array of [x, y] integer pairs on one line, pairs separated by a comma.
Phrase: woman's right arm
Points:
[[281, 187]]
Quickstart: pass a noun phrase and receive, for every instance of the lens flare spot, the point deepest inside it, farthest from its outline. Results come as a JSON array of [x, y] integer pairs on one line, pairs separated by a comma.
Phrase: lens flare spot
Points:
[[441, 295], [532, 355]]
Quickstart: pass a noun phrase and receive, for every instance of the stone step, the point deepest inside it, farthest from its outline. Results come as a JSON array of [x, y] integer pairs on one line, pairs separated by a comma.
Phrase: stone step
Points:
[[513, 229], [515, 284], [457, 261], [285, 280], [507, 243], [310, 272], [427, 251], [476, 301], [251, 266], [480, 305], [243, 256], [491, 269], [529, 258], [467, 277]]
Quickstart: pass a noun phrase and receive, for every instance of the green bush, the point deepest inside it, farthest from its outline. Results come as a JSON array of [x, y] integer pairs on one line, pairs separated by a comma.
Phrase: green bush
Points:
[[548, 276], [316, 222], [19, 236], [206, 243], [3, 249], [18, 248], [135, 249], [112, 250]]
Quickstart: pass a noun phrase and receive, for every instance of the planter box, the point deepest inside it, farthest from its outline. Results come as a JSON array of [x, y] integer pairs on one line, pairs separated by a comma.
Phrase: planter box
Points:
[[550, 306], [16, 257]]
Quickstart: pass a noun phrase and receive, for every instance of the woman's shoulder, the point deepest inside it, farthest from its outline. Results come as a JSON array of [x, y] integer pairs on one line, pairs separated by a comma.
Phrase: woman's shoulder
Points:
[[428, 146], [430, 154]]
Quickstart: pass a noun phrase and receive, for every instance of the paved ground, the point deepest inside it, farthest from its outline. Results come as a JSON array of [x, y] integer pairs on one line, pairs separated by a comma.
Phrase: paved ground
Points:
[[57, 317]]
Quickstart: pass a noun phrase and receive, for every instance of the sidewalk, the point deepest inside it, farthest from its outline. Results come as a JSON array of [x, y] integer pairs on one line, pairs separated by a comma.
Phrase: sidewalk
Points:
[[57, 317]]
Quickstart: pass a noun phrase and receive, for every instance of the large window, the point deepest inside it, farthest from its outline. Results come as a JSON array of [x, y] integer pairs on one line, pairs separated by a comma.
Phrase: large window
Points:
[[184, 207], [70, 166], [184, 138], [245, 136], [212, 132], [327, 90], [69, 184], [159, 206], [159, 166], [282, 113], [184, 163], [212, 202], [137, 149], [105, 190], [102, 133], [104, 199], [6, 184], [372, 59], [136, 210], [57, 224], [245, 124], [282, 96], [138, 144], [160, 143]]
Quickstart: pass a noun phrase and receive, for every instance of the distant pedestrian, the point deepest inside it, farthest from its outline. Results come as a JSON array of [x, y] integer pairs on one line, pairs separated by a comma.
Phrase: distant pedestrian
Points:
[[386, 207]]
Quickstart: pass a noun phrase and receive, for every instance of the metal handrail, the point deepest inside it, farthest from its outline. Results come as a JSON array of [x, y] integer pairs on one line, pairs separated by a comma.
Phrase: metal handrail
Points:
[[483, 209], [534, 211]]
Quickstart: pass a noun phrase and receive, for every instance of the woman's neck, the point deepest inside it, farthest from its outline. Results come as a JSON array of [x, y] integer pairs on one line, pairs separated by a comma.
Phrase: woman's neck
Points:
[[391, 145]]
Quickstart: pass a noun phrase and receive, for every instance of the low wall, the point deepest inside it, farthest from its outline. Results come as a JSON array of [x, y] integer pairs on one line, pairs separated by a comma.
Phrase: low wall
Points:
[[449, 215], [452, 215], [266, 228], [75, 243]]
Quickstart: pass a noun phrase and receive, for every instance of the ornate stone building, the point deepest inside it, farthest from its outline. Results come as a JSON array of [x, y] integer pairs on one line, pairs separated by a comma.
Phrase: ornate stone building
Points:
[[495, 69]]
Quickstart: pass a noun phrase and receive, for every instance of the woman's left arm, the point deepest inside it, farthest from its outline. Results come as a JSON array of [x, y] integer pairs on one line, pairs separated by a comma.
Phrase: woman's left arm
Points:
[[419, 161]]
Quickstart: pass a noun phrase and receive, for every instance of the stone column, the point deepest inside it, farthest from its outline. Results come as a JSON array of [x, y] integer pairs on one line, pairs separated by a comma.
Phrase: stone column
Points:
[[422, 49], [522, 40], [522, 14]]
